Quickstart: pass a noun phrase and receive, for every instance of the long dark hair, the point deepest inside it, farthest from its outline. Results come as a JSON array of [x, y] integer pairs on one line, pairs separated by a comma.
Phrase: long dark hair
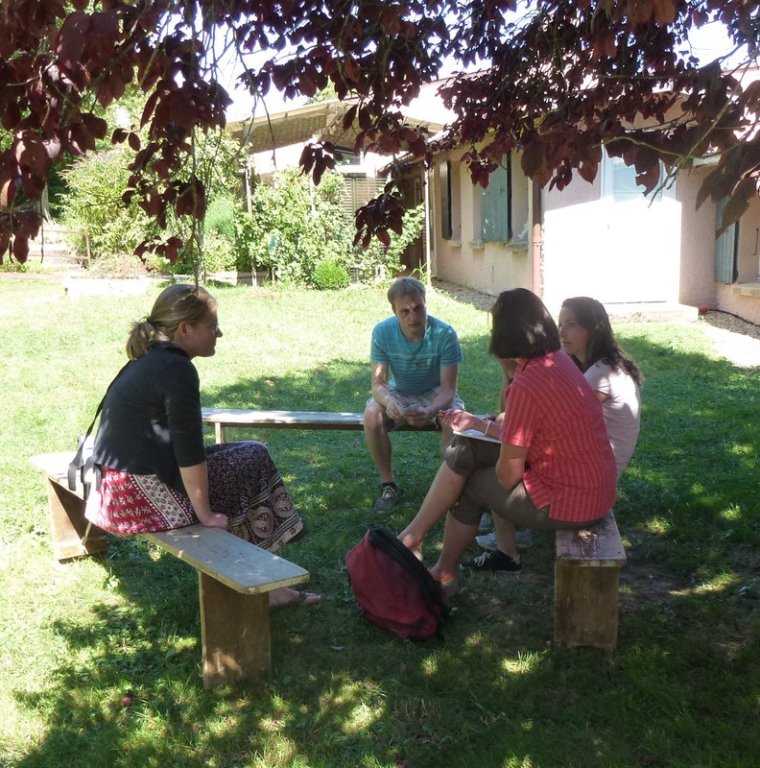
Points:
[[602, 344], [522, 326]]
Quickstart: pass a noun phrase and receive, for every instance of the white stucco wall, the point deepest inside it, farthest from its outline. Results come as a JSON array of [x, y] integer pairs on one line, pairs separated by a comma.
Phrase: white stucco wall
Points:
[[617, 252]]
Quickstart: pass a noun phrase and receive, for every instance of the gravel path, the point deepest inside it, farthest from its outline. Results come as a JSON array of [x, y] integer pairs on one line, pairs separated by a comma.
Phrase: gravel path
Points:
[[735, 339]]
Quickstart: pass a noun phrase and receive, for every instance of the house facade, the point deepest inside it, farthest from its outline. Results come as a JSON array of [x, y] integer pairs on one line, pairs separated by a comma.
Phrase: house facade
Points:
[[601, 239]]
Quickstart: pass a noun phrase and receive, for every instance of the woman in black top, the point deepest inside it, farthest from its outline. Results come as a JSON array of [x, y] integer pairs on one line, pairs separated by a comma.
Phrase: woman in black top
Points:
[[155, 472]]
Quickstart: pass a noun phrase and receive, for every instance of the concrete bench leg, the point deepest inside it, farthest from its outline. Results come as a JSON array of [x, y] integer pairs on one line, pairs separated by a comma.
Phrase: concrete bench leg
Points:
[[68, 525], [235, 634], [585, 605]]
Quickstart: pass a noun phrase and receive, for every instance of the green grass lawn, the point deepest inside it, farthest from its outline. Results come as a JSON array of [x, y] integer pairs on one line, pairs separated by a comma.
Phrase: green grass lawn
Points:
[[682, 689]]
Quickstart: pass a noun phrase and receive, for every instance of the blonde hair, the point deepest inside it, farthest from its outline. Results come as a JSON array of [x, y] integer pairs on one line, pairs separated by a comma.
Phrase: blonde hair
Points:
[[179, 303]]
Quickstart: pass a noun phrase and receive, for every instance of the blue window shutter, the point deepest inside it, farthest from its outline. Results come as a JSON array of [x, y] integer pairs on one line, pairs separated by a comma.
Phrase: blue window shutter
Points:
[[496, 204], [725, 248]]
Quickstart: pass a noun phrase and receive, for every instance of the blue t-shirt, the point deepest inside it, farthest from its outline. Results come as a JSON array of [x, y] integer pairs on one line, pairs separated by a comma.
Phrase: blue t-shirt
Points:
[[415, 366]]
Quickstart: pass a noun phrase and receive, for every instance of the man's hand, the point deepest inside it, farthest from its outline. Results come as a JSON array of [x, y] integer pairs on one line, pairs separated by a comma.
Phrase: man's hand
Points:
[[418, 415], [394, 409]]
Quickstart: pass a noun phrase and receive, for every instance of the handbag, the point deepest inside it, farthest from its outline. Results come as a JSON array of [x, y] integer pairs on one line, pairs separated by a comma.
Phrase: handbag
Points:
[[82, 469]]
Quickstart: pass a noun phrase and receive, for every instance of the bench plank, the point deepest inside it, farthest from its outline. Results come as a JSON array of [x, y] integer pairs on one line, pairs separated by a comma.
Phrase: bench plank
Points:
[[222, 418], [240, 565], [598, 545]]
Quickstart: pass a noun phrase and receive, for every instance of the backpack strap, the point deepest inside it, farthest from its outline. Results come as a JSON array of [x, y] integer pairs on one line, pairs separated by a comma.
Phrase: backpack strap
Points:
[[430, 589], [79, 462]]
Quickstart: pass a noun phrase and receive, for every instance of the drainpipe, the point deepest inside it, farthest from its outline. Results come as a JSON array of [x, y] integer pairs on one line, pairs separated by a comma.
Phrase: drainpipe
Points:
[[427, 224]]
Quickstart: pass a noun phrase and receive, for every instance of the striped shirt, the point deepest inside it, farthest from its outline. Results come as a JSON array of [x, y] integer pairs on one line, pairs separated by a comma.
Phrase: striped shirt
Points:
[[552, 411], [415, 366]]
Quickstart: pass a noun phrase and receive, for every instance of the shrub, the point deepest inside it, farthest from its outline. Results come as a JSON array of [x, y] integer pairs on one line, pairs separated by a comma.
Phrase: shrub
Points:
[[293, 226], [330, 275], [94, 206]]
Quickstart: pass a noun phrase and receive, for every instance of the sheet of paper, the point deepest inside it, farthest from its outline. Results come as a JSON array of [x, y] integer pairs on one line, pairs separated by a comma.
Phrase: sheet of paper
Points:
[[477, 435]]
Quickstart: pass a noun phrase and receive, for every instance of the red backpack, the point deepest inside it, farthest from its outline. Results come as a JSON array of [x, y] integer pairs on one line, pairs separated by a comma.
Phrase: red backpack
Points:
[[393, 588]]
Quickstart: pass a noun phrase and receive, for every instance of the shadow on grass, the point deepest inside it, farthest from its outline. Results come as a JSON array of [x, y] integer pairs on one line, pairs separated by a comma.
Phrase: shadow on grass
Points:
[[495, 692]]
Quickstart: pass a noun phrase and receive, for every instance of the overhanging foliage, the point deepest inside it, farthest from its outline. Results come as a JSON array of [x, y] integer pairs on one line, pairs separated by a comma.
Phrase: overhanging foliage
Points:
[[557, 81]]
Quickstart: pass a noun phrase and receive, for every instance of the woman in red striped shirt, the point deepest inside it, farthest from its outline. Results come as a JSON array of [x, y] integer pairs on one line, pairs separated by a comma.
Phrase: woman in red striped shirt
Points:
[[555, 467]]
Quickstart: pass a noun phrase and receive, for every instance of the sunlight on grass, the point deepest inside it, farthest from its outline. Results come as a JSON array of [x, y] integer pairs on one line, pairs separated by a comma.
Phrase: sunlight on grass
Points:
[[720, 584], [523, 664], [659, 526], [75, 637], [732, 513]]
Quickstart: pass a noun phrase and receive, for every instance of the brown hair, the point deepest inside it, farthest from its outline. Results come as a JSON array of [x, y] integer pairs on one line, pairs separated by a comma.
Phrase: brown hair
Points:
[[602, 344], [522, 326], [179, 303], [405, 286]]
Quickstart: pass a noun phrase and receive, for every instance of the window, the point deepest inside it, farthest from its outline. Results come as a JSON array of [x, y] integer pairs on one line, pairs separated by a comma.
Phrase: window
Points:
[[449, 198], [496, 204], [619, 181], [725, 248]]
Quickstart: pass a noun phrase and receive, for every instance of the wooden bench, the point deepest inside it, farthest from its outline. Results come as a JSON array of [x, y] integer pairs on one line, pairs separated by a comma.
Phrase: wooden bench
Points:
[[588, 561], [586, 578], [234, 577], [222, 418]]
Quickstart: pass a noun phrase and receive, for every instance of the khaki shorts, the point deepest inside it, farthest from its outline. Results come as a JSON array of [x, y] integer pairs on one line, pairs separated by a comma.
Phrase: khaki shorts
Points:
[[425, 399]]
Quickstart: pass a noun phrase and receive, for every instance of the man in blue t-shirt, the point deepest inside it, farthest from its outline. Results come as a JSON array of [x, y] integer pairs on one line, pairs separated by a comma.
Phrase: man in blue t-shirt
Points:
[[415, 360]]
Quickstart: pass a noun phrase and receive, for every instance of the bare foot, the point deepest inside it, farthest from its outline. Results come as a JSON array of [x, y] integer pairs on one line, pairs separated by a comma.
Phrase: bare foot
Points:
[[288, 596]]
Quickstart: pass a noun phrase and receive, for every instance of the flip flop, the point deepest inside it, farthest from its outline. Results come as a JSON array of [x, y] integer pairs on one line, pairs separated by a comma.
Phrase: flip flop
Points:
[[287, 596]]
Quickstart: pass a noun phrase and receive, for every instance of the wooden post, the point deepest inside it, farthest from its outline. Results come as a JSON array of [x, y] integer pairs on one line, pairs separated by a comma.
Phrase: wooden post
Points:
[[585, 605], [235, 633]]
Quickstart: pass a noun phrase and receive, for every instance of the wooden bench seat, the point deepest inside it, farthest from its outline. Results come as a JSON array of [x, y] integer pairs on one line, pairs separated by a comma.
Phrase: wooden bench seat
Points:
[[222, 418], [586, 578], [234, 577]]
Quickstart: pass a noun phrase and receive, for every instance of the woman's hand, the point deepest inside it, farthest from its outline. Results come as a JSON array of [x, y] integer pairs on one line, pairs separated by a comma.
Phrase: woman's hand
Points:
[[458, 421], [214, 520]]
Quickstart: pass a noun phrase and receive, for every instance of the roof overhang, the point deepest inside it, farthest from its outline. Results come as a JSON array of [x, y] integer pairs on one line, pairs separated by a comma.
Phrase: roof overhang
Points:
[[321, 121]]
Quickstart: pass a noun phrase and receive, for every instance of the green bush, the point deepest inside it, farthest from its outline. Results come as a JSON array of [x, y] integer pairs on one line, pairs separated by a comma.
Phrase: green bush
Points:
[[330, 275], [93, 208], [378, 259], [293, 226], [220, 217]]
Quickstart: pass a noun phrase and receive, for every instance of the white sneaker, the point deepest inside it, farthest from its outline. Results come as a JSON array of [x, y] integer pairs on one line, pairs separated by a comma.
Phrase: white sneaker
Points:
[[488, 540]]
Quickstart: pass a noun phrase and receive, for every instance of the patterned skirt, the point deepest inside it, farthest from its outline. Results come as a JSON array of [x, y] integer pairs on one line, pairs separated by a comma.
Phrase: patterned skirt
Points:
[[244, 484]]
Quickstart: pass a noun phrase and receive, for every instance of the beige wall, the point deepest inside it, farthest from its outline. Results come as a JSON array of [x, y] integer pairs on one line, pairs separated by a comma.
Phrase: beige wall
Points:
[[488, 267], [618, 252], [697, 286]]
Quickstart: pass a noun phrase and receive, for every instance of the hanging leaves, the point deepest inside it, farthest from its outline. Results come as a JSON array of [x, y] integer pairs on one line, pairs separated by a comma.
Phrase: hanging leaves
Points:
[[563, 80]]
